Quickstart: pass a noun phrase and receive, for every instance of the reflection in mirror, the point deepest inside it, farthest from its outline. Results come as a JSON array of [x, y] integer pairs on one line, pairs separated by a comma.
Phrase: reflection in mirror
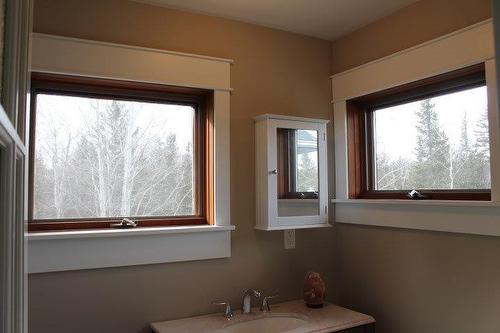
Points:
[[298, 179]]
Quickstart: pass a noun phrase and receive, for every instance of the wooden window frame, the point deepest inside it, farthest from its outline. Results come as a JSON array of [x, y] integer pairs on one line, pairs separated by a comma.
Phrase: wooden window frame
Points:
[[201, 99], [287, 167], [360, 147]]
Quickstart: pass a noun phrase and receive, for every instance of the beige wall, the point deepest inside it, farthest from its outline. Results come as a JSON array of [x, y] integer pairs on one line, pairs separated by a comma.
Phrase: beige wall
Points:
[[274, 72], [416, 281], [410, 26]]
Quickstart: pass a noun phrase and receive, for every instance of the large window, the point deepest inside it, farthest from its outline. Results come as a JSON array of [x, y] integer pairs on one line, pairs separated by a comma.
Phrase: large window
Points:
[[102, 151], [426, 140]]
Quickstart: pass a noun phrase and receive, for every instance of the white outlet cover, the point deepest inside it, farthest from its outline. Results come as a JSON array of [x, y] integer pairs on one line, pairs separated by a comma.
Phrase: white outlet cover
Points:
[[289, 236]]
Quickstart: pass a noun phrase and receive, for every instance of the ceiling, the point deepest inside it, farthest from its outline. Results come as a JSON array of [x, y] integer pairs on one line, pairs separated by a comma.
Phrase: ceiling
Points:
[[327, 19]]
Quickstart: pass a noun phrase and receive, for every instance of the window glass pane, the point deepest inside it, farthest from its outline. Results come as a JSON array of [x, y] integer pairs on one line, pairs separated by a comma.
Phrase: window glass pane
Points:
[[112, 158], [306, 152], [436, 143]]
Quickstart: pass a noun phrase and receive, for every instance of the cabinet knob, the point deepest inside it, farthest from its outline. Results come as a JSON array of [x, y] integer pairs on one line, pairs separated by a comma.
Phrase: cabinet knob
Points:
[[274, 172]]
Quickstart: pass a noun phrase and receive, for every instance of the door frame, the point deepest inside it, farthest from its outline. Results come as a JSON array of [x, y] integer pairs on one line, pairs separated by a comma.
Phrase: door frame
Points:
[[13, 166]]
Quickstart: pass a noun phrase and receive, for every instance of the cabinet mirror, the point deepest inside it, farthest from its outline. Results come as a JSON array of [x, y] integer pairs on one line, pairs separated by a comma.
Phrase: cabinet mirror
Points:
[[297, 172]]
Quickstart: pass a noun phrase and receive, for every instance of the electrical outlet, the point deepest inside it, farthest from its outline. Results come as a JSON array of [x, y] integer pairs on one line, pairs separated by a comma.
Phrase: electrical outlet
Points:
[[289, 239]]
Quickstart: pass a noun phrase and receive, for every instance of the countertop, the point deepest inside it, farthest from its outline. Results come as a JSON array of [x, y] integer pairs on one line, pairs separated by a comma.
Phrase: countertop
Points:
[[329, 318]]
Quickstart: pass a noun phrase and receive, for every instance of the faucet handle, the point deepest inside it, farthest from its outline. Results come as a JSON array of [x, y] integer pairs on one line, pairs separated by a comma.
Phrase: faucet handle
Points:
[[228, 311], [252, 292], [265, 303]]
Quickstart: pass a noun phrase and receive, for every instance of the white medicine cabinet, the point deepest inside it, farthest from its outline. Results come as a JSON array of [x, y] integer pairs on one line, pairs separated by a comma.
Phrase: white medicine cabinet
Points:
[[291, 172]]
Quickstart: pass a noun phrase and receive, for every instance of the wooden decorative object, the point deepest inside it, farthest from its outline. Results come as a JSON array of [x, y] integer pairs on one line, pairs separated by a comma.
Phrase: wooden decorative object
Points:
[[314, 290]]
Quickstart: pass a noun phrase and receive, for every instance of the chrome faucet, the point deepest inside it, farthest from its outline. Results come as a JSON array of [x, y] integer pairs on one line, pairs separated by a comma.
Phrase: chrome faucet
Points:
[[228, 312], [246, 301], [265, 303]]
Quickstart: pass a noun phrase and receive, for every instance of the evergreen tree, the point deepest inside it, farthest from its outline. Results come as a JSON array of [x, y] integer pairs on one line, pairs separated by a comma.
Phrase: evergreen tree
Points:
[[472, 158], [307, 174], [432, 169], [482, 148], [482, 135], [464, 161]]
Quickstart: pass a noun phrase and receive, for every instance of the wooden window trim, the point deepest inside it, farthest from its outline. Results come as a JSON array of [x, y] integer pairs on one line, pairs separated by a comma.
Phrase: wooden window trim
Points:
[[203, 150], [287, 167], [360, 149]]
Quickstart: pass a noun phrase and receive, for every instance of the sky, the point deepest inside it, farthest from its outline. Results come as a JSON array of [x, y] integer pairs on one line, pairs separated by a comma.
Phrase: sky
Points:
[[396, 130], [69, 116]]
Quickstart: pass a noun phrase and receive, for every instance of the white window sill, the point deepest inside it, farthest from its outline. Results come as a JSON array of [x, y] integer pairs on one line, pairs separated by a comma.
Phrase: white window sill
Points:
[[467, 217], [89, 249], [456, 203]]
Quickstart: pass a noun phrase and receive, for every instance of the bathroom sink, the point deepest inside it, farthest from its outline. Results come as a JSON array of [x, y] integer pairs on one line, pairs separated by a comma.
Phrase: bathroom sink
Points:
[[267, 324], [289, 317]]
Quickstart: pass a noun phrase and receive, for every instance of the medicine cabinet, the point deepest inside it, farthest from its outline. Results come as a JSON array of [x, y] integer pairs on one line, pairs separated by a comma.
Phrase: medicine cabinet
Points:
[[291, 172]]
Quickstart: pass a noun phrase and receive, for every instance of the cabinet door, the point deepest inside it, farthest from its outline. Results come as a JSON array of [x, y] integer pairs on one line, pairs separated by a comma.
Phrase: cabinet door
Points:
[[297, 185]]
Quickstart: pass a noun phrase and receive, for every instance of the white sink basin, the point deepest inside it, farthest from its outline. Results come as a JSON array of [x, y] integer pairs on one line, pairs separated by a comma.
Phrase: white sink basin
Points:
[[267, 324]]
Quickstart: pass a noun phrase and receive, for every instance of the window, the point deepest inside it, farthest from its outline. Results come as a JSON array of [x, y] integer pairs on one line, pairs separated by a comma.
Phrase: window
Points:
[[430, 136], [105, 150], [297, 163]]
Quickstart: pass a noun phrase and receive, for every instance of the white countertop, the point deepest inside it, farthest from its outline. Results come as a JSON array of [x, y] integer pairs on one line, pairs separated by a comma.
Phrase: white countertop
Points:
[[329, 318]]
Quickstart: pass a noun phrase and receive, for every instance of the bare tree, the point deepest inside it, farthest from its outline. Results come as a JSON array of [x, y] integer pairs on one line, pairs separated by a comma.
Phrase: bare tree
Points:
[[116, 165]]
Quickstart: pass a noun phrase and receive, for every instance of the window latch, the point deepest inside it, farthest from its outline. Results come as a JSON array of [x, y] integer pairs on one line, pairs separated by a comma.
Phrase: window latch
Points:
[[124, 224], [416, 195]]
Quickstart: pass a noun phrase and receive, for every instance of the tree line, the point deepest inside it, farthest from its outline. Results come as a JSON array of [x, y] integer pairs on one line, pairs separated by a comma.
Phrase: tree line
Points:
[[113, 168], [438, 164]]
